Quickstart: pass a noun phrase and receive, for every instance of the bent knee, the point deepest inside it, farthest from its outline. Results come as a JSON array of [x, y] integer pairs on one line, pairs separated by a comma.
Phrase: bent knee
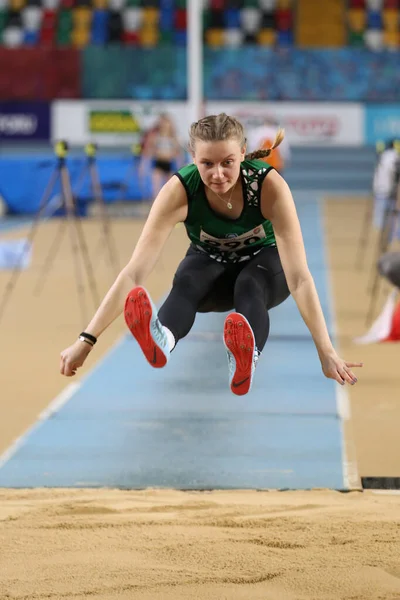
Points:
[[189, 283], [250, 282]]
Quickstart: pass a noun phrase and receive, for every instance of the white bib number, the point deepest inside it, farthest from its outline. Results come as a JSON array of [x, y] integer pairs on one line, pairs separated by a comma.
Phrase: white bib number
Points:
[[234, 243]]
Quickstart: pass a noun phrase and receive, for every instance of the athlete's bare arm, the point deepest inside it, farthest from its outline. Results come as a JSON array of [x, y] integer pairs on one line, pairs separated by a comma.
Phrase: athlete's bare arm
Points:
[[169, 208], [278, 206]]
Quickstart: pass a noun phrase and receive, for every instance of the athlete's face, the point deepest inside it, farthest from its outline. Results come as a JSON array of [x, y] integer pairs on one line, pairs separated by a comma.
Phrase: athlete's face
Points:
[[219, 163]]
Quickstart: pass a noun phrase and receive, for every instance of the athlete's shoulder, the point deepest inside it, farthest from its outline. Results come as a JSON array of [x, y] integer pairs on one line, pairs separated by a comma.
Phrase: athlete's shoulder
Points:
[[189, 170], [190, 177], [256, 166]]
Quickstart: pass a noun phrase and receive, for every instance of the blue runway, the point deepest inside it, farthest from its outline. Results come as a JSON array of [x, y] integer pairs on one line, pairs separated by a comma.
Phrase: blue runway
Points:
[[131, 426]]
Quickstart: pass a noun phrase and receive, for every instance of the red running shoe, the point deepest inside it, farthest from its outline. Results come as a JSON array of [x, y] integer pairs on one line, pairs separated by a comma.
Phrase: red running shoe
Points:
[[141, 318], [240, 346]]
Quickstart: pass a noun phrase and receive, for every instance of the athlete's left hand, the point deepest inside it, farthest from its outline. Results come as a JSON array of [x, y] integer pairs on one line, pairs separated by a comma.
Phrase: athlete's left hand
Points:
[[336, 368]]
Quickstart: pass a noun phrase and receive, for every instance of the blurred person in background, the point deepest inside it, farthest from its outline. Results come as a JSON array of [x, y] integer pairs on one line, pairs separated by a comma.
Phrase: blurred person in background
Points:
[[389, 262], [246, 253], [161, 151], [386, 327], [389, 267], [262, 137], [145, 162], [384, 181]]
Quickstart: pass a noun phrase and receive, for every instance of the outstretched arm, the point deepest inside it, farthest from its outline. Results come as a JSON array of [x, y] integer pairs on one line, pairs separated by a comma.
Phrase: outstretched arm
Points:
[[278, 206], [169, 208]]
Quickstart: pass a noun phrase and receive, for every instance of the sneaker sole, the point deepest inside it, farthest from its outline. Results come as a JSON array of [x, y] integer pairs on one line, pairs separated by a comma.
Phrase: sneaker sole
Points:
[[138, 315], [239, 340]]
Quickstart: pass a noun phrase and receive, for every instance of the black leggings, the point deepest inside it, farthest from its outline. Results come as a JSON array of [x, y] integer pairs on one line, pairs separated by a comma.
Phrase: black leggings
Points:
[[201, 284]]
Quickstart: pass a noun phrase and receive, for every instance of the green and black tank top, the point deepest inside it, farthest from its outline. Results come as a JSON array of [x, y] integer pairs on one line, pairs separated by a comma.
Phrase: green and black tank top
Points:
[[224, 239]]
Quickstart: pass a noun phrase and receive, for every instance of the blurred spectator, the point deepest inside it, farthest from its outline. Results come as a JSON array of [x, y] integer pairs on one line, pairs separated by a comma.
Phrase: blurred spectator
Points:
[[160, 152], [389, 267], [386, 327], [145, 162], [384, 181]]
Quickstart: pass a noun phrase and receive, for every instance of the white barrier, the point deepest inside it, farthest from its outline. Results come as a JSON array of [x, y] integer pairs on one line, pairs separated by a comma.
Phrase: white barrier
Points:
[[316, 123], [122, 122], [112, 122]]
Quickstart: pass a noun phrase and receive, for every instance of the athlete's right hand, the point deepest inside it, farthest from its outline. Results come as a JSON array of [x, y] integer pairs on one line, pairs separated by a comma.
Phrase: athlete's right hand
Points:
[[73, 357]]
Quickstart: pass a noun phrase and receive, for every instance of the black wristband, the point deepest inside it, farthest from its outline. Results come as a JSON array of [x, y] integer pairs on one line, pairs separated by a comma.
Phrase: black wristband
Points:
[[89, 337], [82, 339]]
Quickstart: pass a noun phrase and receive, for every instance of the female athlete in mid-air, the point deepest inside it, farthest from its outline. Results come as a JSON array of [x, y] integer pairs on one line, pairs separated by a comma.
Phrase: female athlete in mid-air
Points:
[[246, 253]]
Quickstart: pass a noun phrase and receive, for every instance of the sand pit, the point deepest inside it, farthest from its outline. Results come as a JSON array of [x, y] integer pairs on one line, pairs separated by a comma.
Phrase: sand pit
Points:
[[162, 544]]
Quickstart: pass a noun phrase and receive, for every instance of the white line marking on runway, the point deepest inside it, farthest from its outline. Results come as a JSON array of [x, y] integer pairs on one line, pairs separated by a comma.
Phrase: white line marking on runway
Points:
[[385, 492], [351, 477], [55, 405], [52, 408]]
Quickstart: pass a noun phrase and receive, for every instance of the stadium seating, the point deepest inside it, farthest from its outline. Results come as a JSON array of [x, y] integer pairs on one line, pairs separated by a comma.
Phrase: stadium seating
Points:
[[320, 24], [143, 23], [372, 24], [262, 22]]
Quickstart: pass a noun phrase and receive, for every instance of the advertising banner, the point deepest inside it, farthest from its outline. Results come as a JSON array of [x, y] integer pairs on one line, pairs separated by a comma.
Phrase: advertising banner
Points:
[[24, 121], [122, 123], [112, 122], [312, 123], [382, 122]]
